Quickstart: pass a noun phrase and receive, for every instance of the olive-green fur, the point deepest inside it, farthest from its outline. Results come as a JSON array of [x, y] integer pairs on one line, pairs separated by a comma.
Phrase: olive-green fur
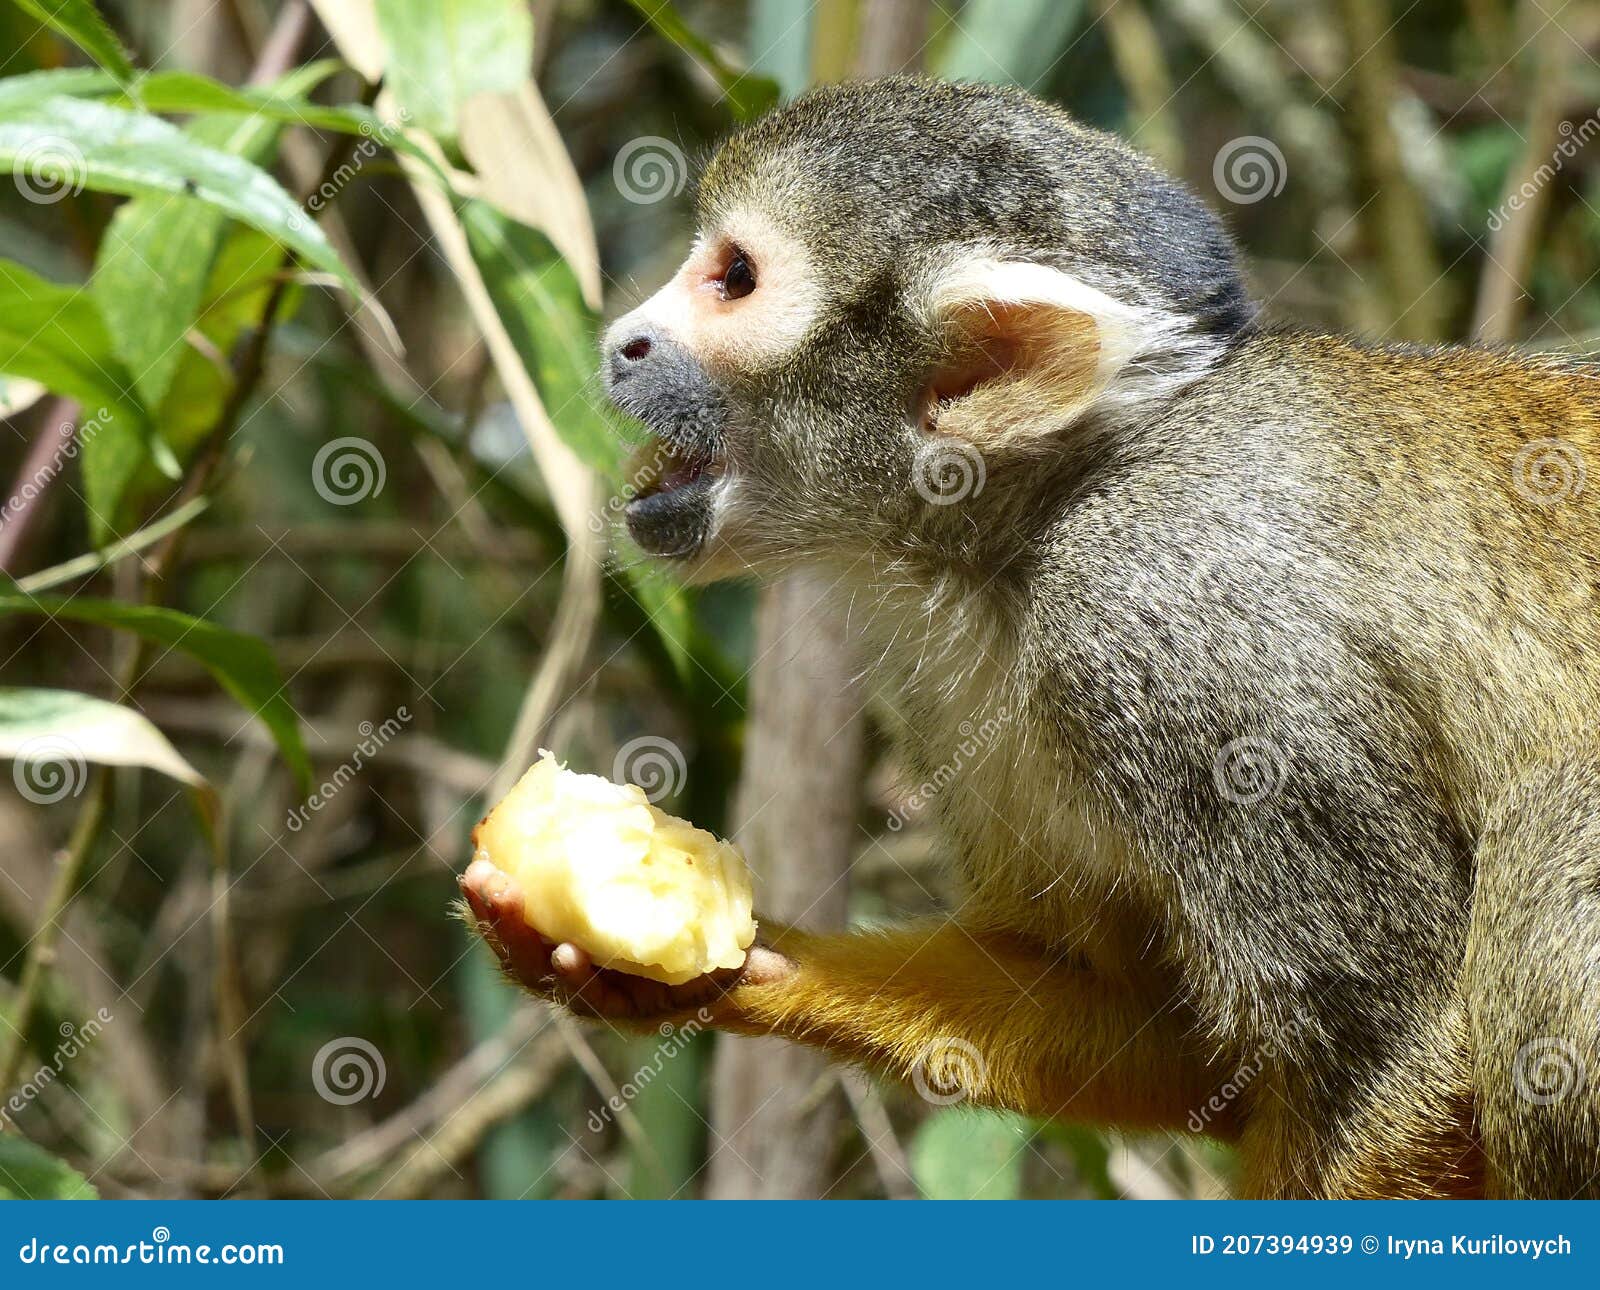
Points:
[[1377, 566]]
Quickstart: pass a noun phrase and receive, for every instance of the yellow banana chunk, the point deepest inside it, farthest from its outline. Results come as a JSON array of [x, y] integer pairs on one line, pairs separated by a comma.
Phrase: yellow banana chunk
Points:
[[599, 866]]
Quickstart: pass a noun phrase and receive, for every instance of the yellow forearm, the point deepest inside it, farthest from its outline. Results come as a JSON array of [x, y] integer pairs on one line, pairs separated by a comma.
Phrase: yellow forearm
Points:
[[985, 1016]]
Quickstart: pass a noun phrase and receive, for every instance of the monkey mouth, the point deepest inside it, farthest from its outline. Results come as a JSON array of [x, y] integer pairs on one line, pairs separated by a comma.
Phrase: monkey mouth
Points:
[[668, 511]]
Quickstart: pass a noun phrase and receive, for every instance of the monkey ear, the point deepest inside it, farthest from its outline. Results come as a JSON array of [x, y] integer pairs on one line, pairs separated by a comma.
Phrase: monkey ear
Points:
[[1030, 349]]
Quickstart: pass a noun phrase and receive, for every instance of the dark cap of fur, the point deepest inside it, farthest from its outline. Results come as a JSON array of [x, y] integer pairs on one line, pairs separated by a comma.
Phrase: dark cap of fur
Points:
[[895, 165]]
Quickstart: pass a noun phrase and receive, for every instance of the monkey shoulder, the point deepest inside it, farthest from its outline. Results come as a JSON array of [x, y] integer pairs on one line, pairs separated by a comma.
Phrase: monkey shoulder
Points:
[[1204, 650]]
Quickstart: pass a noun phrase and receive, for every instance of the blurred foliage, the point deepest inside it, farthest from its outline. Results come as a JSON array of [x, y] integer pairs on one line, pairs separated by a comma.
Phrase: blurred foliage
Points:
[[28, 1172], [266, 461]]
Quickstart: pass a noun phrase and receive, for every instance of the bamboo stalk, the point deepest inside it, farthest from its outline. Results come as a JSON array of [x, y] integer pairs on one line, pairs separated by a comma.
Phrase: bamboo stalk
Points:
[[1525, 199], [1394, 216]]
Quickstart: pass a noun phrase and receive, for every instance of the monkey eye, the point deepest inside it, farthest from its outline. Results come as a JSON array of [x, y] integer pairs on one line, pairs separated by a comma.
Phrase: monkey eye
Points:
[[738, 279]]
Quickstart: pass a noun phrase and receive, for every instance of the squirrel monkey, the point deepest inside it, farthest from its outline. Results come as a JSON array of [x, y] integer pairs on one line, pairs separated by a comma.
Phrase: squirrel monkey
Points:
[[1288, 831]]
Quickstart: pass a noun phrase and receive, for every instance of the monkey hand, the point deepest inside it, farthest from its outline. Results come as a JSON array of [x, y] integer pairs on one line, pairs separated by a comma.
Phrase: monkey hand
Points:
[[564, 973]]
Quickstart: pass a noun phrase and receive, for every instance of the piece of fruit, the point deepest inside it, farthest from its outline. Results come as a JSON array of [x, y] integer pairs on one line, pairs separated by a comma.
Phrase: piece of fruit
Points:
[[602, 868]]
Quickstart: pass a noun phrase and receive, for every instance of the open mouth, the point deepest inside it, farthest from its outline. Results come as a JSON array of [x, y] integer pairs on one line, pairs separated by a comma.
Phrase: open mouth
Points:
[[669, 511]]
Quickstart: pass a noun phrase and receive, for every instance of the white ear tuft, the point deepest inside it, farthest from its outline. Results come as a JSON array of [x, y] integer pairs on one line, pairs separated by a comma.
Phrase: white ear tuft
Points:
[[1071, 347]]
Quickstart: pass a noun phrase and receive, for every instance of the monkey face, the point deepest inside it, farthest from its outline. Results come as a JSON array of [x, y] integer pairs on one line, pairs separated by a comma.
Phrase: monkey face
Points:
[[696, 363], [903, 298]]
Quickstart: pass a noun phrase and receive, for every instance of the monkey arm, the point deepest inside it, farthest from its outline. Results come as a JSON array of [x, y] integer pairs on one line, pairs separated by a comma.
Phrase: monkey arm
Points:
[[961, 1011], [944, 1005]]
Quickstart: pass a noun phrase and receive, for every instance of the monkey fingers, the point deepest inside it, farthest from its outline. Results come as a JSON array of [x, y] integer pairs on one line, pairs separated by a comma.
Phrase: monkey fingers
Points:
[[567, 975]]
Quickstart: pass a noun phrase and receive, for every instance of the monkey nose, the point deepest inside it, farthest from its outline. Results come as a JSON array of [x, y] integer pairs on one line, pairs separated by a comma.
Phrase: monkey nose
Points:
[[631, 349]]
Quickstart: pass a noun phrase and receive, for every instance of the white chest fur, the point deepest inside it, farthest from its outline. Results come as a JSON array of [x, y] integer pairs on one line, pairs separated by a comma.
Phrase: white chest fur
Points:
[[1034, 851]]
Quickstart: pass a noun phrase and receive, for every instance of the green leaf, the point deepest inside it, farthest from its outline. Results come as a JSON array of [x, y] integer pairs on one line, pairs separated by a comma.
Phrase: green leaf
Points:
[[52, 334], [538, 298], [80, 22], [154, 259], [282, 103], [30, 87], [150, 274], [964, 1154], [28, 1172], [442, 52], [780, 41], [45, 724], [234, 295], [242, 665], [748, 94], [111, 457], [1090, 1153], [79, 142], [117, 471], [151, 269], [666, 604]]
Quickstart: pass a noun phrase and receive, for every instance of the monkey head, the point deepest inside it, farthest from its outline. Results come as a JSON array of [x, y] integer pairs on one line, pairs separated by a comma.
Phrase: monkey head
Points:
[[905, 299]]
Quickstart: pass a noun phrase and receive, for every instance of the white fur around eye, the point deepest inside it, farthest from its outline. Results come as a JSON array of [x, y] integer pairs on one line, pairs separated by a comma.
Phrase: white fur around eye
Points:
[[745, 335]]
